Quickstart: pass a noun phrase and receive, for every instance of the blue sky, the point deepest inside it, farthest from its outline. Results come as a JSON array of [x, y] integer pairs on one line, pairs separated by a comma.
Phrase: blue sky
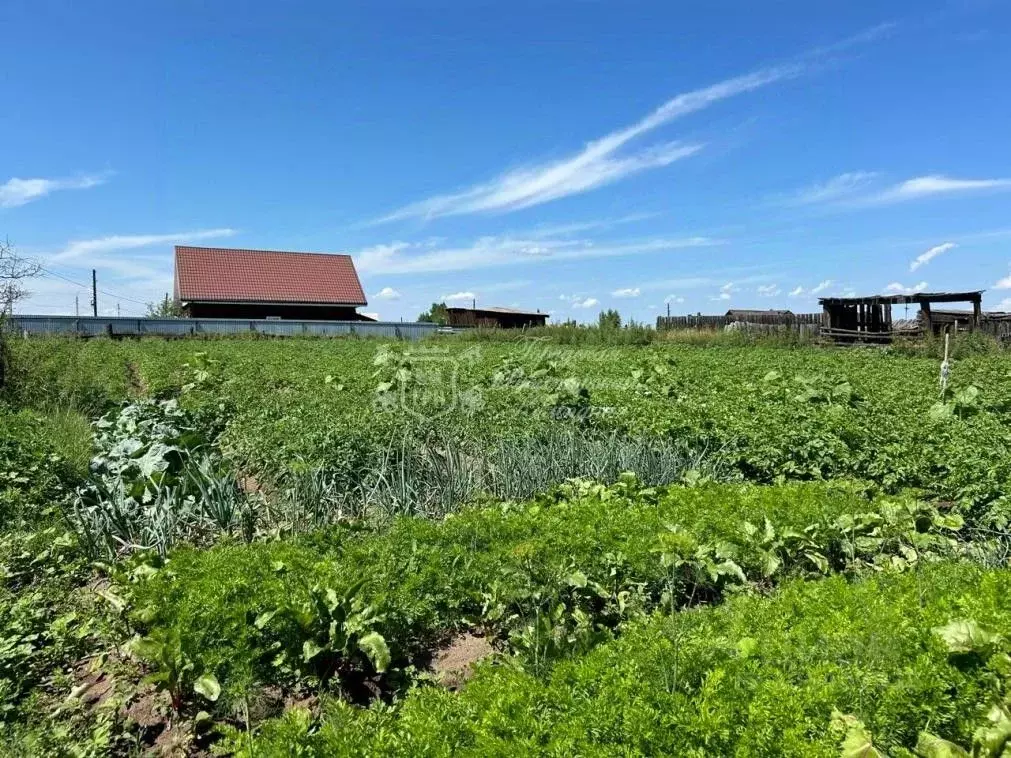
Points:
[[565, 156]]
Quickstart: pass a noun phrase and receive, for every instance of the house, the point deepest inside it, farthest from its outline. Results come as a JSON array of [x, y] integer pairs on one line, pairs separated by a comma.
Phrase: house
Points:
[[267, 284], [501, 318], [760, 317]]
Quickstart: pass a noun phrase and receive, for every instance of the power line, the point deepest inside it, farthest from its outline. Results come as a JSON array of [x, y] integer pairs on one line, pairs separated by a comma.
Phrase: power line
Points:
[[86, 286]]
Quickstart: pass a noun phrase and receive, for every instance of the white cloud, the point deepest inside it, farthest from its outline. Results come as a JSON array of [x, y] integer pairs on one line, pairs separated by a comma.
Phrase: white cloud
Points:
[[837, 188], [1004, 305], [387, 293], [797, 291], [935, 184], [897, 288], [821, 287], [597, 163], [1003, 284], [457, 296], [929, 255], [587, 303], [769, 290], [855, 189], [725, 291], [673, 299], [414, 258], [116, 243], [17, 191], [561, 230], [626, 292]]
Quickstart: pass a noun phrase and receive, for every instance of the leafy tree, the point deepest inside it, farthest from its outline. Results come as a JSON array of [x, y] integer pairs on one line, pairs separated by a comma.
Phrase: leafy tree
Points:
[[610, 319], [435, 315], [165, 308]]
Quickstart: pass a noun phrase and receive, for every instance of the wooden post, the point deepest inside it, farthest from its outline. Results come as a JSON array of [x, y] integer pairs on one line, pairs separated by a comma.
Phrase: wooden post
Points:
[[925, 310], [977, 312]]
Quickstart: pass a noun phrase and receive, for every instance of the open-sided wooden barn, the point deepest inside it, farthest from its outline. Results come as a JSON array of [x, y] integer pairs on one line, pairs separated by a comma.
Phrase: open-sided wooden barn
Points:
[[501, 318], [849, 319], [267, 284]]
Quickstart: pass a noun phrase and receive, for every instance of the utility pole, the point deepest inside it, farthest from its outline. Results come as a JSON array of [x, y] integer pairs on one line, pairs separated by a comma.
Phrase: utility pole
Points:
[[118, 314], [94, 293], [77, 306]]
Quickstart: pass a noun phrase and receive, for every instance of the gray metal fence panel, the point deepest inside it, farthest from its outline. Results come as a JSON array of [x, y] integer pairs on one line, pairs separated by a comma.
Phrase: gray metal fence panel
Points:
[[184, 327]]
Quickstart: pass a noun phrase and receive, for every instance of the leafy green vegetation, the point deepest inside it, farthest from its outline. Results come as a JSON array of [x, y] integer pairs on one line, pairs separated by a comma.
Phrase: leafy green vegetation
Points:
[[756, 676], [689, 545], [767, 413], [549, 578]]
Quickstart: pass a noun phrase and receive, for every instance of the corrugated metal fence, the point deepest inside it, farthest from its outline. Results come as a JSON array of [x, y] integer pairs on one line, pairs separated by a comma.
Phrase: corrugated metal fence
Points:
[[196, 327]]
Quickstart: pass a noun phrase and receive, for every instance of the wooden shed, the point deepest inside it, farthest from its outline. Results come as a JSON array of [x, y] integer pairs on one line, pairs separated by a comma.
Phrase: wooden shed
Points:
[[500, 318], [851, 319]]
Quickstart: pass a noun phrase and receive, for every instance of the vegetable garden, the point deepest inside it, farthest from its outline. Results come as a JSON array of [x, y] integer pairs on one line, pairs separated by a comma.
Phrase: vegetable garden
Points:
[[490, 547]]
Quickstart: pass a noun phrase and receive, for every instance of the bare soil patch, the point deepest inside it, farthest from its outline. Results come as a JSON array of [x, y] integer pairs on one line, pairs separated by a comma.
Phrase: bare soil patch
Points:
[[454, 664]]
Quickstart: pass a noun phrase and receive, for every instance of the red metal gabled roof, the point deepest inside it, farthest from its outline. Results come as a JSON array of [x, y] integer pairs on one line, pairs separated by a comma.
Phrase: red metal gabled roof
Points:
[[213, 274]]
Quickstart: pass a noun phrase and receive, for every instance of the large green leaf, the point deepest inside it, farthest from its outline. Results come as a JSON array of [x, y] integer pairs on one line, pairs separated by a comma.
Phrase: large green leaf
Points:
[[932, 746], [991, 741], [966, 636], [856, 742], [310, 649], [207, 685], [374, 646]]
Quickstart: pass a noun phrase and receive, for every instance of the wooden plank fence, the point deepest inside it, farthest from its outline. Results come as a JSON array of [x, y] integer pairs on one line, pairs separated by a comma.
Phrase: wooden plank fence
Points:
[[796, 321]]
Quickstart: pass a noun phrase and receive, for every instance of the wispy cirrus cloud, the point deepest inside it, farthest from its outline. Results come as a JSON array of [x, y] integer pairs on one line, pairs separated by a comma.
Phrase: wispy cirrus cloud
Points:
[[598, 163], [928, 255], [588, 302], [120, 242], [836, 188], [578, 227], [858, 189], [797, 291], [821, 286], [415, 258], [768, 290], [935, 184], [1003, 284], [16, 192]]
